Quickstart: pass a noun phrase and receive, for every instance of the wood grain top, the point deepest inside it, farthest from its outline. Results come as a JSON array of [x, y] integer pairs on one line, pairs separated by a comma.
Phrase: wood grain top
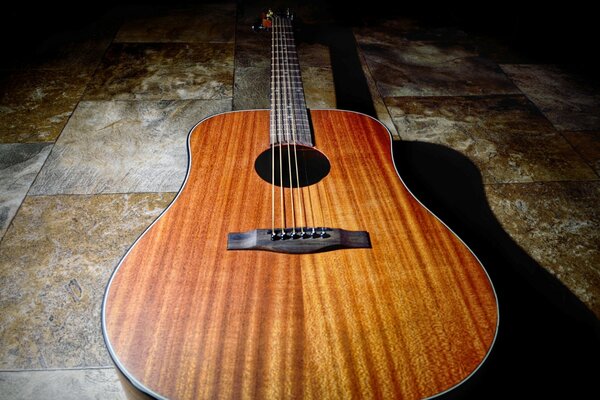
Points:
[[410, 317]]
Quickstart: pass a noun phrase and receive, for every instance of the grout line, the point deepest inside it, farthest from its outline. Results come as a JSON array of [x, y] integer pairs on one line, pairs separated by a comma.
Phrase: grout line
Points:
[[100, 194], [53, 143], [235, 38], [58, 369], [369, 77], [543, 182], [10, 223], [585, 161]]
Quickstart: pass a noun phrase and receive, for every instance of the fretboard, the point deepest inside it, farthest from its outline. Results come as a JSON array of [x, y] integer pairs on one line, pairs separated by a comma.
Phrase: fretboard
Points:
[[289, 116]]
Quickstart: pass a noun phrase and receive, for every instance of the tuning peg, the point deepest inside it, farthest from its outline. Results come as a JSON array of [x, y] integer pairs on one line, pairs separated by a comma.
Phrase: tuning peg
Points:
[[264, 22]]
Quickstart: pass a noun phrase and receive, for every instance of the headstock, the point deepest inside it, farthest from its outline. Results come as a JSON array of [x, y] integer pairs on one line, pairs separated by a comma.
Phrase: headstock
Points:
[[265, 22]]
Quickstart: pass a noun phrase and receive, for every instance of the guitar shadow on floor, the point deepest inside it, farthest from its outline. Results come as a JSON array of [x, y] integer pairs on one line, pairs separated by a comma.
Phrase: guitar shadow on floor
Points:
[[548, 342]]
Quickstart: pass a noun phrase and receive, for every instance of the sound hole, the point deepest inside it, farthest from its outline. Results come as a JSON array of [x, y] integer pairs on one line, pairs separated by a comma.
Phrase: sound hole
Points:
[[312, 165]]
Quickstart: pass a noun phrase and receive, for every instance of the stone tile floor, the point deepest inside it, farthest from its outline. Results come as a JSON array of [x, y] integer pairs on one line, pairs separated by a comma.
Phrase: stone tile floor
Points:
[[93, 131]]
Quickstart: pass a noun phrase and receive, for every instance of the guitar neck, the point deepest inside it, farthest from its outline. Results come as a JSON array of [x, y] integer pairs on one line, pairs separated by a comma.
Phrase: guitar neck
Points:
[[289, 116]]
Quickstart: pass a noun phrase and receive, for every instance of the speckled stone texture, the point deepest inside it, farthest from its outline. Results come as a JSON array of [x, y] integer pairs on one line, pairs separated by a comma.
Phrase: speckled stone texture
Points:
[[381, 110], [58, 255], [505, 136], [318, 87], [587, 144], [558, 224], [567, 101], [98, 383], [36, 104], [19, 165], [120, 147], [164, 71], [403, 67]]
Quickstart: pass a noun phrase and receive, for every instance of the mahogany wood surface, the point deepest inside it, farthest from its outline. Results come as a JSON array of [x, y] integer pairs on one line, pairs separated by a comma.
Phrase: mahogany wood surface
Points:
[[409, 318]]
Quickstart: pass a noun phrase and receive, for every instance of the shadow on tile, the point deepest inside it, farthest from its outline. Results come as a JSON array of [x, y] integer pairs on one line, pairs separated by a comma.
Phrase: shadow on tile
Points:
[[547, 338], [19, 165], [569, 100], [507, 137], [350, 85]]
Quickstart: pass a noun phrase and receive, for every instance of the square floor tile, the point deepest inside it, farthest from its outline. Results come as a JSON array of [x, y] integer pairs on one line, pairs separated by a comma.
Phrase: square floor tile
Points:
[[254, 54], [19, 165], [557, 224], [430, 68], [381, 111], [587, 144], [124, 146], [252, 88], [163, 71], [36, 104], [319, 90], [77, 384], [505, 136], [564, 98], [58, 255]]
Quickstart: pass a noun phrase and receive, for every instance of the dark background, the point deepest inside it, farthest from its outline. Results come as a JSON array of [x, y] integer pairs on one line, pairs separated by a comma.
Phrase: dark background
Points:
[[549, 32], [547, 345]]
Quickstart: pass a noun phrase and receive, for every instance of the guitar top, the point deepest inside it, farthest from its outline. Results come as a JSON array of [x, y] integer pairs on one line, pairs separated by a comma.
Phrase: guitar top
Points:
[[294, 263]]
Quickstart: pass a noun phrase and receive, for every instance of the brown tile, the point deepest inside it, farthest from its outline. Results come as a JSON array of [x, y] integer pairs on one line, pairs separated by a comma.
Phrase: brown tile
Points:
[[207, 23], [382, 113], [159, 71], [587, 144], [319, 89], [565, 99], [35, 105], [420, 68], [505, 136], [255, 53], [123, 147], [70, 384], [252, 88], [58, 255], [314, 55], [557, 223]]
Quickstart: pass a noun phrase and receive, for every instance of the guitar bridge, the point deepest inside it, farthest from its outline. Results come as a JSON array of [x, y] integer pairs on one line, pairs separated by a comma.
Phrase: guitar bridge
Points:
[[299, 240]]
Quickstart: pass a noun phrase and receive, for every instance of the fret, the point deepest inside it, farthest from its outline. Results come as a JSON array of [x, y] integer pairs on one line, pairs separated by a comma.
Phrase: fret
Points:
[[289, 116]]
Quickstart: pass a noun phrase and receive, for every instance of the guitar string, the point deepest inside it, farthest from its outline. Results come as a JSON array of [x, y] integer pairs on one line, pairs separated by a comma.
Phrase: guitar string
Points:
[[273, 127], [283, 118], [279, 134], [293, 90], [288, 126]]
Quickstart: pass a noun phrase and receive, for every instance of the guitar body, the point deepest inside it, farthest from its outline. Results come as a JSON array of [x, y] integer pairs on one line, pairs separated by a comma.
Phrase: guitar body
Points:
[[185, 318]]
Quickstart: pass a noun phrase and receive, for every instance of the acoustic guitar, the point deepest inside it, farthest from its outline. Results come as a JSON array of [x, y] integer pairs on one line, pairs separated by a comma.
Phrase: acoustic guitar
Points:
[[294, 263]]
